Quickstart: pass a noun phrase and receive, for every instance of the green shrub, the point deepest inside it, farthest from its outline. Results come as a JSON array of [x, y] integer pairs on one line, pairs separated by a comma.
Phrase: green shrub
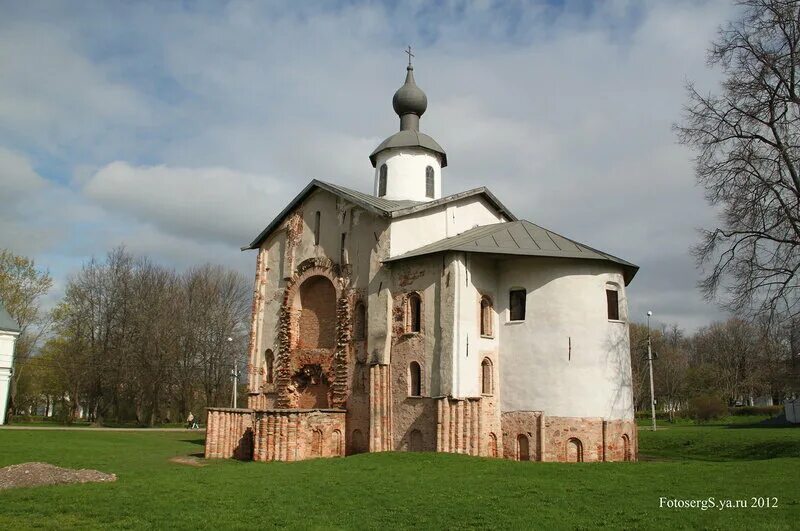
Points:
[[703, 408]]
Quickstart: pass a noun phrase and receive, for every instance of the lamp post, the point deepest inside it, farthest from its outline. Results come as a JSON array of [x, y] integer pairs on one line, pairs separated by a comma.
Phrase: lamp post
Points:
[[650, 362], [235, 376]]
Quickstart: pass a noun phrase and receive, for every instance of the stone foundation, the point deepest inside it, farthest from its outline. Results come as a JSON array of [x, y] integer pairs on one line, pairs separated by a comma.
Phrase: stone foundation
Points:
[[298, 434], [229, 433], [533, 436], [275, 435], [461, 426]]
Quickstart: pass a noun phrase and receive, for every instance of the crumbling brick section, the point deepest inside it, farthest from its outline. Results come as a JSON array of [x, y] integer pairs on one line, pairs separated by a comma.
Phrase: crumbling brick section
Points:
[[257, 309], [344, 328], [291, 352], [297, 434], [229, 433], [459, 426]]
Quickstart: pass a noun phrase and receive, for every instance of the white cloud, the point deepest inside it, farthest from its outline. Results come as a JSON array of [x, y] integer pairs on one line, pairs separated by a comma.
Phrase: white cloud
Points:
[[182, 131], [204, 204]]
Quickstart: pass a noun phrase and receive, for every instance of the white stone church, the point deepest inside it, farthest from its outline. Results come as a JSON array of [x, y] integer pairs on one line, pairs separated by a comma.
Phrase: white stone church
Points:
[[401, 320]]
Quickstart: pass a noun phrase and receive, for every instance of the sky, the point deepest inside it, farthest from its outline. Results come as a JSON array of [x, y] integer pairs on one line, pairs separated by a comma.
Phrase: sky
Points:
[[180, 129]]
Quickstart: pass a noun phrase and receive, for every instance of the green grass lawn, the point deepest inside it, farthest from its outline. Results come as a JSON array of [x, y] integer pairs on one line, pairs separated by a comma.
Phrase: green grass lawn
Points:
[[406, 490]]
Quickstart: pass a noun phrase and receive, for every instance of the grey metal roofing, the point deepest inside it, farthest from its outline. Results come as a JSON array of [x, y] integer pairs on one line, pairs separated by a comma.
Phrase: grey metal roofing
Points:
[[520, 238], [409, 138], [377, 205], [7, 323]]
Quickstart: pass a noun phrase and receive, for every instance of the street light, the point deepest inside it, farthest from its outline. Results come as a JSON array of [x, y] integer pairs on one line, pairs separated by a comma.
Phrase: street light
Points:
[[235, 376], [650, 362]]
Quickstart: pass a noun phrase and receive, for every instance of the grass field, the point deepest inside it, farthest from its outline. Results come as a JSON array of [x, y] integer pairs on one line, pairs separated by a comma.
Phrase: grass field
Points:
[[687, 462]]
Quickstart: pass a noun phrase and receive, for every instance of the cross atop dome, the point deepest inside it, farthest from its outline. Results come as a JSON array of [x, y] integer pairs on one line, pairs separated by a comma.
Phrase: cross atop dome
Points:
[[410, 103]]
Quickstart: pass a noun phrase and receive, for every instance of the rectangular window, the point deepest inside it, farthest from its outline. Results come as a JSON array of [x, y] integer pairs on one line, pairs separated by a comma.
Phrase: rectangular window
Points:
[[612, 298], [516, 304]]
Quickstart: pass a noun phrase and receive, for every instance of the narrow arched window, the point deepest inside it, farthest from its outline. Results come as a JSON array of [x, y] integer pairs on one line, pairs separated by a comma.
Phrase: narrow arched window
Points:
[[317, 217], [429, 182], [359, 322], [382, 180], [269, 366], [414, 313], [316, 443], [487, 316], [414, 379], [486, 376], [612, 301]]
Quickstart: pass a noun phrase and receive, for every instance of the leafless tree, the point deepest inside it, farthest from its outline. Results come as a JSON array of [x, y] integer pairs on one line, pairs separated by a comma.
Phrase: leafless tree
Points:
[[152, 344], [746, 140]]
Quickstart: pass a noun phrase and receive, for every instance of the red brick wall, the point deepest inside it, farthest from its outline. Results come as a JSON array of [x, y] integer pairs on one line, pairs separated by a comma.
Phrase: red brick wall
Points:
[[294, 435], [229, 433], [566, 438]]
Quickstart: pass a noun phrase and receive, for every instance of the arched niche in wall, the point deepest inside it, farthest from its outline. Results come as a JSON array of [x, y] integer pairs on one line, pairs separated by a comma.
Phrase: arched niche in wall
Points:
[[317, 321]]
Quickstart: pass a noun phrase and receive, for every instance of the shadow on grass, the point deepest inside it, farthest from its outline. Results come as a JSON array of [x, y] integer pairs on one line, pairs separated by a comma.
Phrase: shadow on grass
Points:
[[199, 442]]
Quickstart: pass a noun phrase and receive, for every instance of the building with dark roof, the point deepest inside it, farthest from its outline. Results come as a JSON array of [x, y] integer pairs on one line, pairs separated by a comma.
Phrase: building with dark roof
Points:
[[404, 320]]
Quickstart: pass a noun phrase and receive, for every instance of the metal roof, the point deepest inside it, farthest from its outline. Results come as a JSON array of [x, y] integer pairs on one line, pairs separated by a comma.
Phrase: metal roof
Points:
[[7, 323], [377, 205], [519, 238], [409, 138]]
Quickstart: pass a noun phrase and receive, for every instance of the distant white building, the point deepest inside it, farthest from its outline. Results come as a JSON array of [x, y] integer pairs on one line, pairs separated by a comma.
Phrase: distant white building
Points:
[[9, 331]]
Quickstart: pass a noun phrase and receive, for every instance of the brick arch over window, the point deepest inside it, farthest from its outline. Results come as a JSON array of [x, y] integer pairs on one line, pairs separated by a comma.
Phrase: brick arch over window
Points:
[[574, 450], [487, 383], [336, 443], [492, 445], [316, 443], [317, 319]]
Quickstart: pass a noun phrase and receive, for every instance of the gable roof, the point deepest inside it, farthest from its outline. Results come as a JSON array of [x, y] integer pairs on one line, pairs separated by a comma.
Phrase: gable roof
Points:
[[377, 205], [7, 323], [520, 238]]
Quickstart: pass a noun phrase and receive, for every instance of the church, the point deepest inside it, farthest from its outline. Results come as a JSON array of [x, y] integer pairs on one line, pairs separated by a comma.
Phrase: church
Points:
[[402, 320]]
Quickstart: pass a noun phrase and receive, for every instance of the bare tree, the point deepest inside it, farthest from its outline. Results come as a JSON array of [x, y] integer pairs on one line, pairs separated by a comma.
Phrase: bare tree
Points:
[[746, 139]]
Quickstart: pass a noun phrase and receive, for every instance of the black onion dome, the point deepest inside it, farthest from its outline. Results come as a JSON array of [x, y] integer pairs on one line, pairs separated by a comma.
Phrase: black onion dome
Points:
[[409, 99]]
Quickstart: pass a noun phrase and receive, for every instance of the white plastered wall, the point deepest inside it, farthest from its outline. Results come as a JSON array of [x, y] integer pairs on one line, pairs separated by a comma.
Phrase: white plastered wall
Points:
[[415, 230], [405, 176], [566, 358], [7, 342], [475, 276]]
